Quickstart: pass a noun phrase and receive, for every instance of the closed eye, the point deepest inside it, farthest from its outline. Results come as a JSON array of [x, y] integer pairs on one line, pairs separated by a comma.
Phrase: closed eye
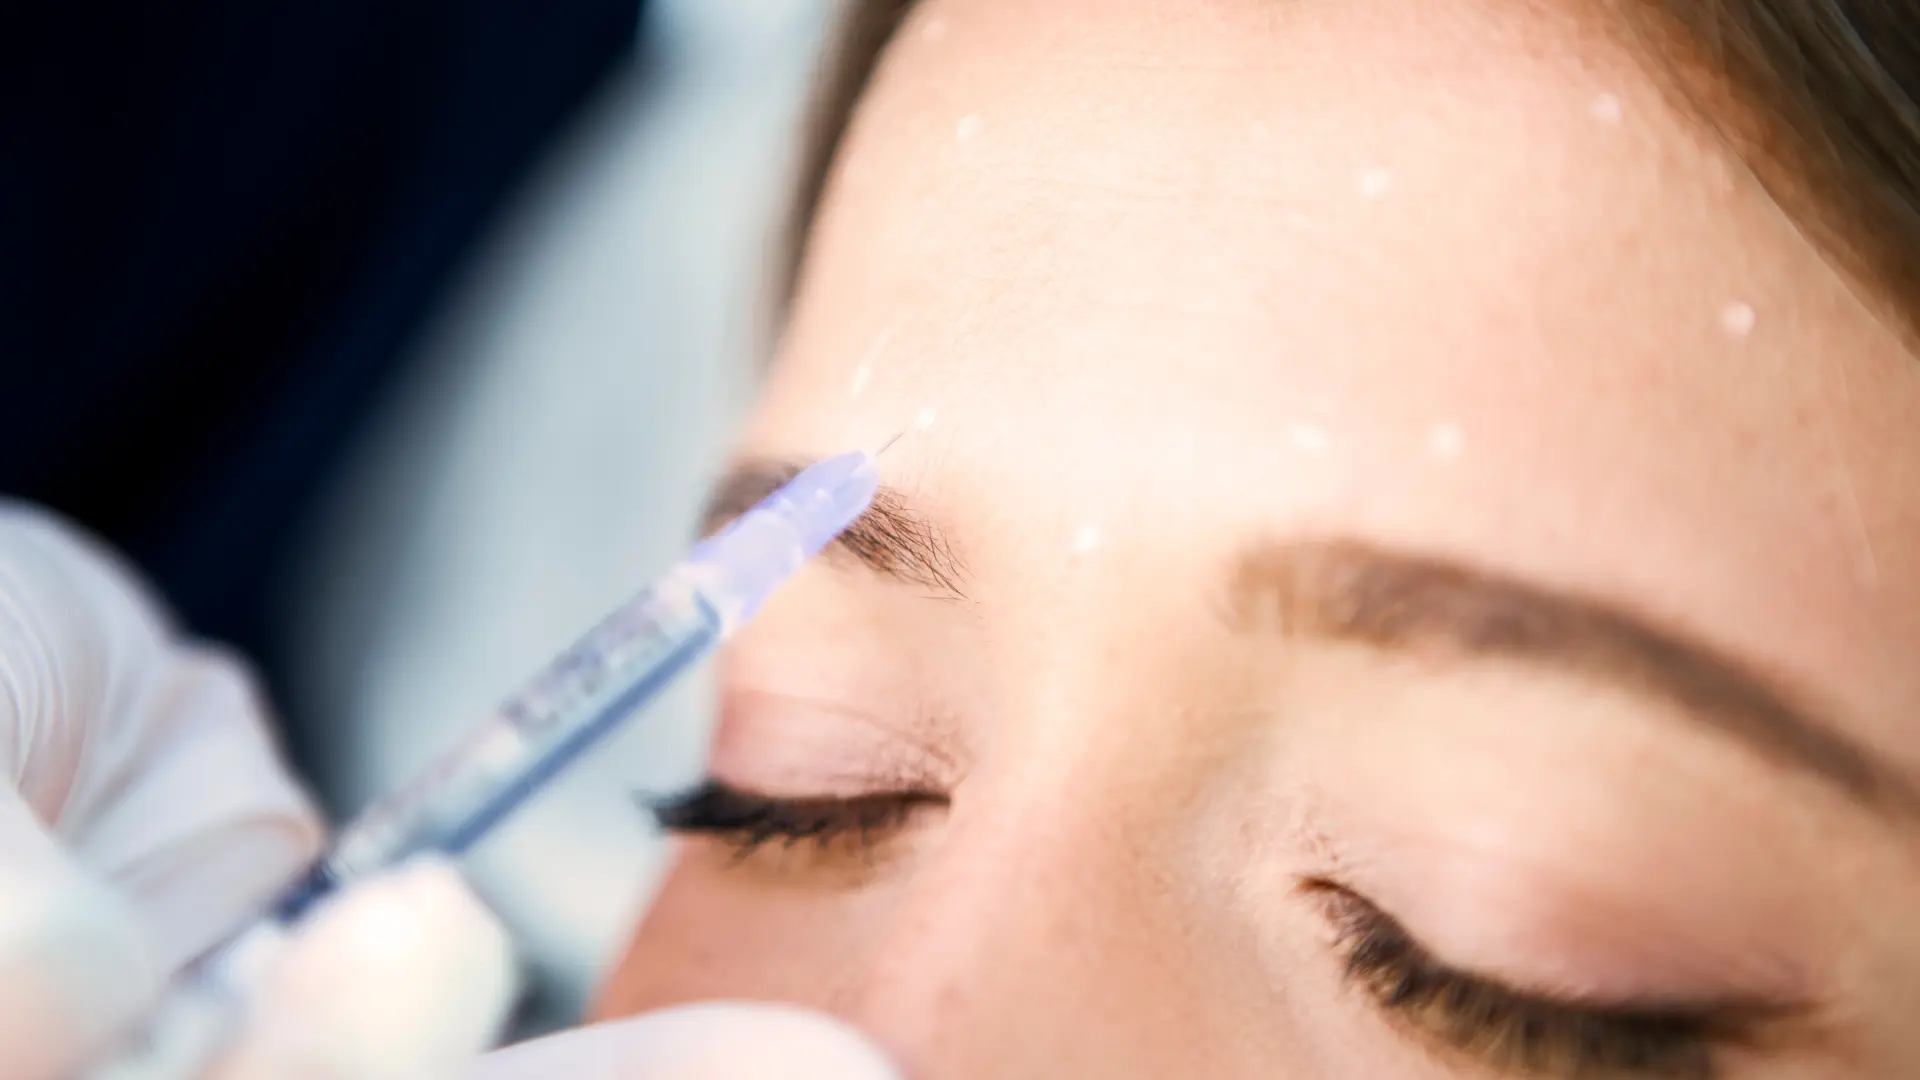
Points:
[[1524, 1033], [746, 821]]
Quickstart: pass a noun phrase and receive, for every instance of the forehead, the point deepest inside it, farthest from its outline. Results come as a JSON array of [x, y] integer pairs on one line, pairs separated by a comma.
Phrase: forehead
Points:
[[1452, 274]]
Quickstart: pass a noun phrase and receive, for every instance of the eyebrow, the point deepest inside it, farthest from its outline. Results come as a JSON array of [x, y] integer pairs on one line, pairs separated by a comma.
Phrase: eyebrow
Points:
[[890, 538], [1354, 591]]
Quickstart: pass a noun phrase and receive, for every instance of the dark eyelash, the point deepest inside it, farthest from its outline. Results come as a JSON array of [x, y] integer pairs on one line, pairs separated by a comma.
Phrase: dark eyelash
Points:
[[1527, 1034], [748, 821]]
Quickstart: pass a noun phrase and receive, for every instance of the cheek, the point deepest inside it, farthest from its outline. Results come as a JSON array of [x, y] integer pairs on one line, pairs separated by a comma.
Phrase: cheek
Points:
[[713, 932]]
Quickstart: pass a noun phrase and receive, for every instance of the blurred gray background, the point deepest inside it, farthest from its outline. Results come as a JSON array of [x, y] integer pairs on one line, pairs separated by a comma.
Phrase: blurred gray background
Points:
[[549, 453]]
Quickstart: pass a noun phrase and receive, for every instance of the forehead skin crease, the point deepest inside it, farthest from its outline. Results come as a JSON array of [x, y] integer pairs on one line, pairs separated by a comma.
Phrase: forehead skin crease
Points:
[[1172, 231]]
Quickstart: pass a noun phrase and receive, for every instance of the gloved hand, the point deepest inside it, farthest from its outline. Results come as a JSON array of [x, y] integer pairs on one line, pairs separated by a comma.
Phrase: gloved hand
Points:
[[709, 1041], [144, 813]]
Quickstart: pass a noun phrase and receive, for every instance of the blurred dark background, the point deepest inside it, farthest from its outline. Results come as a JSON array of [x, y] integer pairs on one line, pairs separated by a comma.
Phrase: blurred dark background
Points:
[[223, 224]]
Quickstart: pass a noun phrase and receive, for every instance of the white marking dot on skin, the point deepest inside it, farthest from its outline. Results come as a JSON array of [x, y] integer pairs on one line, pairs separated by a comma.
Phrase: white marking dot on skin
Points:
[[1086, 538], [1737, 319], [924, 419], [1606, 109], [864, 373], [1446, 441], [935, 29], [1308, 439], [1375, 181], [968, 128]]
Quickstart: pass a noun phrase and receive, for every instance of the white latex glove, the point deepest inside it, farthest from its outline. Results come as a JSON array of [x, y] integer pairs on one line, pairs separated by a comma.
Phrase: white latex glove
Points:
[[405, 977], [717, 1041], [144, 812]]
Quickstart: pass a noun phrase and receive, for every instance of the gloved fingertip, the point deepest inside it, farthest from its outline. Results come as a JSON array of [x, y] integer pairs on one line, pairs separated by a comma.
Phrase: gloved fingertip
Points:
[[209, 886], [75, 971], [407, 976], [705, 1041]]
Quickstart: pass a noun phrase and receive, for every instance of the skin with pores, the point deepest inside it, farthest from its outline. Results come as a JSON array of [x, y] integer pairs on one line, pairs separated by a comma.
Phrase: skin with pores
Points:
[[1130, 250]]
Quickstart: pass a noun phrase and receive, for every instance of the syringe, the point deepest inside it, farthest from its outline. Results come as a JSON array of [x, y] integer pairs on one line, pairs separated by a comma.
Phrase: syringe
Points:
[[586, 693]]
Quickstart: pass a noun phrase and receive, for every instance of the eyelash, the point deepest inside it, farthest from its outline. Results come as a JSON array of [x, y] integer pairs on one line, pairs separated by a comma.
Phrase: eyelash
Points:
[[746, 821], [1520, 1033]]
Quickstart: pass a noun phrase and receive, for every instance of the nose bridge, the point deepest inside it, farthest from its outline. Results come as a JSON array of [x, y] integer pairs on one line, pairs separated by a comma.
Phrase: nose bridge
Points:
[[1061, 924], [1030, 943], [999, 925]]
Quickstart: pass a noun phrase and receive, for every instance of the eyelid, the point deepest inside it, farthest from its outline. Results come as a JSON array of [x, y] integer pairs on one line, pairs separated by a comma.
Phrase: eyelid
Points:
[[1348, 905], [820, 739], [1534, 1033]]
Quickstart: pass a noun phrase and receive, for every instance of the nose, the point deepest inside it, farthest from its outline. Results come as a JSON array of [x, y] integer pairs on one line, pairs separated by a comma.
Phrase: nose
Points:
[[1043, 940]]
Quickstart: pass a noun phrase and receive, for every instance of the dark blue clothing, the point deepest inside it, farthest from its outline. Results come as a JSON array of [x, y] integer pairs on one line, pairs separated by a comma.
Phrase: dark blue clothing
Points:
[[221, 222]]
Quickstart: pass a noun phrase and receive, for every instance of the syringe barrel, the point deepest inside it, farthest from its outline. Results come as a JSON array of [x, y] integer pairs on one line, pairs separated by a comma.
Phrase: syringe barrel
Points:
[[617, 667], [614, 670]]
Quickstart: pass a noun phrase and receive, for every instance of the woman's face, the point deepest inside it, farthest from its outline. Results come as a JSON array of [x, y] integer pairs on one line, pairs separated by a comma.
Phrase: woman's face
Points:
[[1414, 572]]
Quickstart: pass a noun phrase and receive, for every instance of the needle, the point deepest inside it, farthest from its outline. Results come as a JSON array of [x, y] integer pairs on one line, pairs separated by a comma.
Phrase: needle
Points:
[[888, 445]]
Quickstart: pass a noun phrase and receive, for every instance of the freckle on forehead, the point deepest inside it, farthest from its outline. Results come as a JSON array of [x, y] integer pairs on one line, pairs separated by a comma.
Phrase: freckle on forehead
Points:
[[1737, 319]]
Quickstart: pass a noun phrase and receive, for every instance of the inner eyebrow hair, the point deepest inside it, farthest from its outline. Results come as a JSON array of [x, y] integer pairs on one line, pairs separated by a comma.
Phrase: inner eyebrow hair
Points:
[[890, 538], [1352, 590]]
